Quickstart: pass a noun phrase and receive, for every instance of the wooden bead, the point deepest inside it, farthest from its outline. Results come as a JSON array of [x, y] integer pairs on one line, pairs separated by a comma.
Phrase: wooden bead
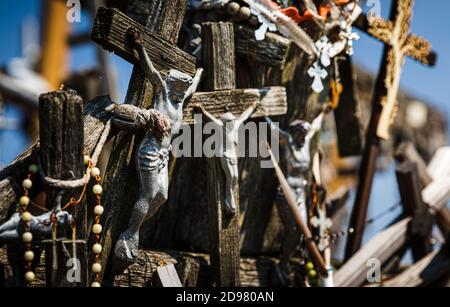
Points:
[[98, 210], [27, 184], [27, 237], [29, 276], [95, 171], [97, 229], [95, 284], [24, 201], [33, 168], [86, 159], [29, 256], [97, 189], [97, 248], [26, 217], [233, 8], [244, 13], [96, 268]]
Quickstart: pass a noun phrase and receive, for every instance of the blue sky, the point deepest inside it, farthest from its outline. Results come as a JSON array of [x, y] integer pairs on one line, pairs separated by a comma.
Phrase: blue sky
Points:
[[430, 84]]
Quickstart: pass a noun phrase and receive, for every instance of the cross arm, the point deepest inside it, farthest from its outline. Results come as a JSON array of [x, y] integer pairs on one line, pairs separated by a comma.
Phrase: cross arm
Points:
[[111, 28], [418, 48], [272, 100]]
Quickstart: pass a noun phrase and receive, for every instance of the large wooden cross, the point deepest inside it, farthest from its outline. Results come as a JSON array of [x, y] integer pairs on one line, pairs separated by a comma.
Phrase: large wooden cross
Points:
[[219, 62], [399, 44], [159, 23]]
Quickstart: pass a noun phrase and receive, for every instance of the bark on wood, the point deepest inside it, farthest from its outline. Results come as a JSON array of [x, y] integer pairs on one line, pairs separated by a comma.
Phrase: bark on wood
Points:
[[61, 156], [110, 30]]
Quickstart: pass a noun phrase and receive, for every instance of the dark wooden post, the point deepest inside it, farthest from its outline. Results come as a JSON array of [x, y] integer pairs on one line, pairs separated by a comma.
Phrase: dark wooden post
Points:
[[422, 222], [61, 140], [219, 61]]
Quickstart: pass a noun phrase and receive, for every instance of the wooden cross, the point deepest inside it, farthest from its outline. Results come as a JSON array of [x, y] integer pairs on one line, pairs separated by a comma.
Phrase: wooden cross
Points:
[[219, 61], [399, 44], [159, 23], [394, 238]]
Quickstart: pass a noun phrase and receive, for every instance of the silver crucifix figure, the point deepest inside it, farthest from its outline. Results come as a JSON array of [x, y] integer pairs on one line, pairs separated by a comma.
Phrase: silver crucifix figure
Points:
[[296, 161], [152, 156], [229, 126]]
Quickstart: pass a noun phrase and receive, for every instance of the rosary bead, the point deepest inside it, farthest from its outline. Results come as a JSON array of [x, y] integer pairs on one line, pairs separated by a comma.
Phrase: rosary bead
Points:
[[24, 201], [97, 189], [244, 13], [98, 210], [97, 248], [312, 274], [27, 184], [29, 276], [26, 217], [95, 172], [27, 237], [95, 284], [96, 268], [233, 8], [97, 229], [33, 168], [86, 159], [29, 256], [309, 266]]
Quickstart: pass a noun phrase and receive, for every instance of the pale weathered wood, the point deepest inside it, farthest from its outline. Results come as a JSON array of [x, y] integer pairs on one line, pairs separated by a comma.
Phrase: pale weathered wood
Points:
[[439, 166], [386, 243], [424, 272], [16, 91], [111, 31], [271, 100], [166, 276]]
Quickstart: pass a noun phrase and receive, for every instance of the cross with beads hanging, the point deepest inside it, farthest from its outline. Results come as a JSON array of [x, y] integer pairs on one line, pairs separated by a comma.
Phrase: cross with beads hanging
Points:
[[395, 33]]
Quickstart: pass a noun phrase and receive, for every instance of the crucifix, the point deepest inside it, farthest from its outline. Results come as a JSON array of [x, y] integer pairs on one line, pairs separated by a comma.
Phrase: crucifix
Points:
[[158, 23], [395, 33], [227, 102]]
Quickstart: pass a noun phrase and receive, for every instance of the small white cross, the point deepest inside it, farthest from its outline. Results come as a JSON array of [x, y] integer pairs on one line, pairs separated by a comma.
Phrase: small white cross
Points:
[[349, 36], [318, 73], [324, 47], [266, 25], [323, 223]]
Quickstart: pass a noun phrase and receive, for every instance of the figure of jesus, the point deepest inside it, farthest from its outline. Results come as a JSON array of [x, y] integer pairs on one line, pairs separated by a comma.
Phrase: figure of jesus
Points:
[[229, 126], [296, 164], [152, 156]]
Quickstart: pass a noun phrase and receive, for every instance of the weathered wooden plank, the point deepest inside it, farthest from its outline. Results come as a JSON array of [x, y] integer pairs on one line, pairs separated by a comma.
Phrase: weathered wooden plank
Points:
[[272, 51], [439, 166], [221, 54], [272, 100], [437, 193], [166, 276], [110, 30], [16, 91], [354, 272], [424, 272], [9, 193]]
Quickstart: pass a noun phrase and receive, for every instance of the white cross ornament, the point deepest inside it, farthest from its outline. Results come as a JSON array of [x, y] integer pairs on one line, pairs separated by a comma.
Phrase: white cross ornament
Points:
[[266, 25], [323, 223], [348, 36], [324, 47], [318, 73]]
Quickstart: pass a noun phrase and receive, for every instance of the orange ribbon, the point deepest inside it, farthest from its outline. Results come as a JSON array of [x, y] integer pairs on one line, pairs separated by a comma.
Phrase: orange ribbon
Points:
[[324, 10]]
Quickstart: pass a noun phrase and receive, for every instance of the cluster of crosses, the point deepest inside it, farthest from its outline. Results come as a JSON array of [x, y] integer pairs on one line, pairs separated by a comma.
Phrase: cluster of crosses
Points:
[[167, 88]]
